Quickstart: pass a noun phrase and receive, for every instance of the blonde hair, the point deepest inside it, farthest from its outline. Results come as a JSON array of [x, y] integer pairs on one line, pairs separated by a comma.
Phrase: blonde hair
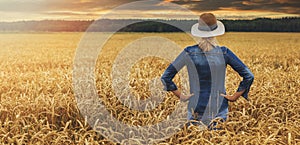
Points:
[[206, 44]]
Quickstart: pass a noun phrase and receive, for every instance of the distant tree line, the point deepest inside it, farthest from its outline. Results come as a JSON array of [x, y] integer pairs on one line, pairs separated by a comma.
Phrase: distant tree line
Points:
[[134, 25], [264, 25]]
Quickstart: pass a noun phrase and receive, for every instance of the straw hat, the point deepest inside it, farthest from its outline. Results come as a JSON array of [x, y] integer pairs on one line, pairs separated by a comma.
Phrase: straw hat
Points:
[[208, 26]]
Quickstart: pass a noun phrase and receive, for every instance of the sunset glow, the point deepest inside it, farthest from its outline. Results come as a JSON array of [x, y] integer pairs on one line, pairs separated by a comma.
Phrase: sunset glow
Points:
[[19, 10]]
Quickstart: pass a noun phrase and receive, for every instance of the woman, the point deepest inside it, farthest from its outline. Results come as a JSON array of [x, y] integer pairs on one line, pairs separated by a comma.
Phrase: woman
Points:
[[206, 64]]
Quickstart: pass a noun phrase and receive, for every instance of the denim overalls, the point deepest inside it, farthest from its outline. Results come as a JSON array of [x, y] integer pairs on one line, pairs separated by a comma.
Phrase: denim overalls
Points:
[[206, 71]]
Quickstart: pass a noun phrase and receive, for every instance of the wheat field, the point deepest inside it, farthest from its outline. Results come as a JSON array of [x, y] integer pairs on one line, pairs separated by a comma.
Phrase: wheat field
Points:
[[38, 105]]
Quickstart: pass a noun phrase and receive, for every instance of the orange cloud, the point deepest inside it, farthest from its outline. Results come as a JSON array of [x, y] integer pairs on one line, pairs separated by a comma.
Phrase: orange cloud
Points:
[[92, 9], [282, 1]]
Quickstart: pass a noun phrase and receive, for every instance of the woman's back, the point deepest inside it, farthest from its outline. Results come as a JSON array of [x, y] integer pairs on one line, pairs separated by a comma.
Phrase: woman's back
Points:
[[206, 78], [206, 63]]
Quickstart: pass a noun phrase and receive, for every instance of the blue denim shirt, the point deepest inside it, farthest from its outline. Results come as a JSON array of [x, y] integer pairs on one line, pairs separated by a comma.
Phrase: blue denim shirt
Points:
[[206, 71]]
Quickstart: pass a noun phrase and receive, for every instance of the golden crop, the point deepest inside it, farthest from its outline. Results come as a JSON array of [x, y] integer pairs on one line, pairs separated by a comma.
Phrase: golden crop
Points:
[[38, 106]]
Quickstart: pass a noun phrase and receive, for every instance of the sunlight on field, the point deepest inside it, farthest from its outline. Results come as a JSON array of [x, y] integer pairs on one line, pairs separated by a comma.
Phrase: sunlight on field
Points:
[[38, 106]]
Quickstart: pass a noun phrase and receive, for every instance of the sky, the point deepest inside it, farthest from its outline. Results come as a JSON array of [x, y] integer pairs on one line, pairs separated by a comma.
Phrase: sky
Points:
[[23, 10]]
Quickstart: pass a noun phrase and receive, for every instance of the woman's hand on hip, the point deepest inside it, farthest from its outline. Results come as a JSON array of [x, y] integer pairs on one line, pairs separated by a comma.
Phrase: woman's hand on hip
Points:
[[185, 97], [233, 97], [182, 97]]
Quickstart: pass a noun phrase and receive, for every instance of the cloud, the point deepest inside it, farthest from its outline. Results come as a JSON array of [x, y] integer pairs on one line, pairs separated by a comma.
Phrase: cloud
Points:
[[70, 13], [283, 6], [21, 6], [286, 6], [85, 5], [93, 8], [58, 5]]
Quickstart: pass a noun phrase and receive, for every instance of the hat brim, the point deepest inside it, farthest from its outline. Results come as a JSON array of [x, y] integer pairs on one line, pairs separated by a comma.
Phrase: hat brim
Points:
[[198, 33]]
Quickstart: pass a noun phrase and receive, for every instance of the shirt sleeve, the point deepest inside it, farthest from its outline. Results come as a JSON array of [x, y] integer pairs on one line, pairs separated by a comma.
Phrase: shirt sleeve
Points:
[[172, 70], [242, 70]]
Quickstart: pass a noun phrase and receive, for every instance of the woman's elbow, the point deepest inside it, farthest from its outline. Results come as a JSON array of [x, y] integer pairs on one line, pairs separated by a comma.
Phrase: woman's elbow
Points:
[[163, 79], [250, 76], [168, 85], [247, 74]]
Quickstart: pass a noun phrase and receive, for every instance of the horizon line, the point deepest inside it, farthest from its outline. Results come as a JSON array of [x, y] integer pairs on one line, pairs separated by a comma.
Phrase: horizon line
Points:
[[69, 20]]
